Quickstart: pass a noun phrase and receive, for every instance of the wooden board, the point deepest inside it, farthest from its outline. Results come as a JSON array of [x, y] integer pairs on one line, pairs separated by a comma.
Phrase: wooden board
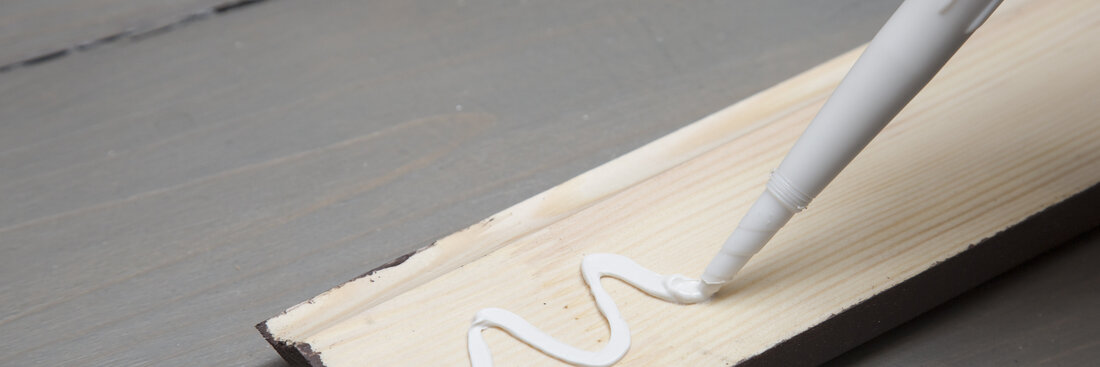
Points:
[[160, 197], [35, 31], [982, 150], [1001, 320]]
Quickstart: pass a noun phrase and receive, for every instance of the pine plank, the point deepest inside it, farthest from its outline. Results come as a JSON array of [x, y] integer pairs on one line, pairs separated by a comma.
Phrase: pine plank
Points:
[[1004, 132], [159, 197], [1040, 312]]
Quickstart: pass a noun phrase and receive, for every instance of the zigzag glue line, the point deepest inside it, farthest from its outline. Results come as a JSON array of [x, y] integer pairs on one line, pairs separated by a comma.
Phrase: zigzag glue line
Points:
[[672, 288]]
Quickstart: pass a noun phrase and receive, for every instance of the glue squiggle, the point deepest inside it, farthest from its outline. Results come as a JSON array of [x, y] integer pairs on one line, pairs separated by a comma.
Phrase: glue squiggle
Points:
[[672, 288]]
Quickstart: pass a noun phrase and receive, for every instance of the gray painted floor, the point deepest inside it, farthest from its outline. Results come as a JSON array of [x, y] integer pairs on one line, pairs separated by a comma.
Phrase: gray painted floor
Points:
[[161, 195], [36, 30]]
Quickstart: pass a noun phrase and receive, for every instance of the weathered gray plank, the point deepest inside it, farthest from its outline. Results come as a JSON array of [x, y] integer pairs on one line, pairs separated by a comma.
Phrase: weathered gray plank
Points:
[[162, 196], [38, 28]]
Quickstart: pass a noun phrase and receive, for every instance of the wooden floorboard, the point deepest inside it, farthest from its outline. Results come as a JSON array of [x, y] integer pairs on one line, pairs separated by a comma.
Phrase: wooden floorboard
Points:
[[38, 31], [976, 130], [161, 196]]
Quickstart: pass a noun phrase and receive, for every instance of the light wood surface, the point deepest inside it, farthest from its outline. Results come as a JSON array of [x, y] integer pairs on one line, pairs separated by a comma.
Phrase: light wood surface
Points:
[[160, 197], [967, 159]]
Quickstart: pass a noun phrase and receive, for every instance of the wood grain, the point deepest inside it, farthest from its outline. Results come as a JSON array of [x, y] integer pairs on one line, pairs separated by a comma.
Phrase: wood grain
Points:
[[160, 197], [966, 160]]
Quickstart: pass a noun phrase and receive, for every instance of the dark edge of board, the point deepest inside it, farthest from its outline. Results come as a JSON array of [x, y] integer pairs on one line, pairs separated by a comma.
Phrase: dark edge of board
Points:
[[301, 354], [295, 354], [979, 263]]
